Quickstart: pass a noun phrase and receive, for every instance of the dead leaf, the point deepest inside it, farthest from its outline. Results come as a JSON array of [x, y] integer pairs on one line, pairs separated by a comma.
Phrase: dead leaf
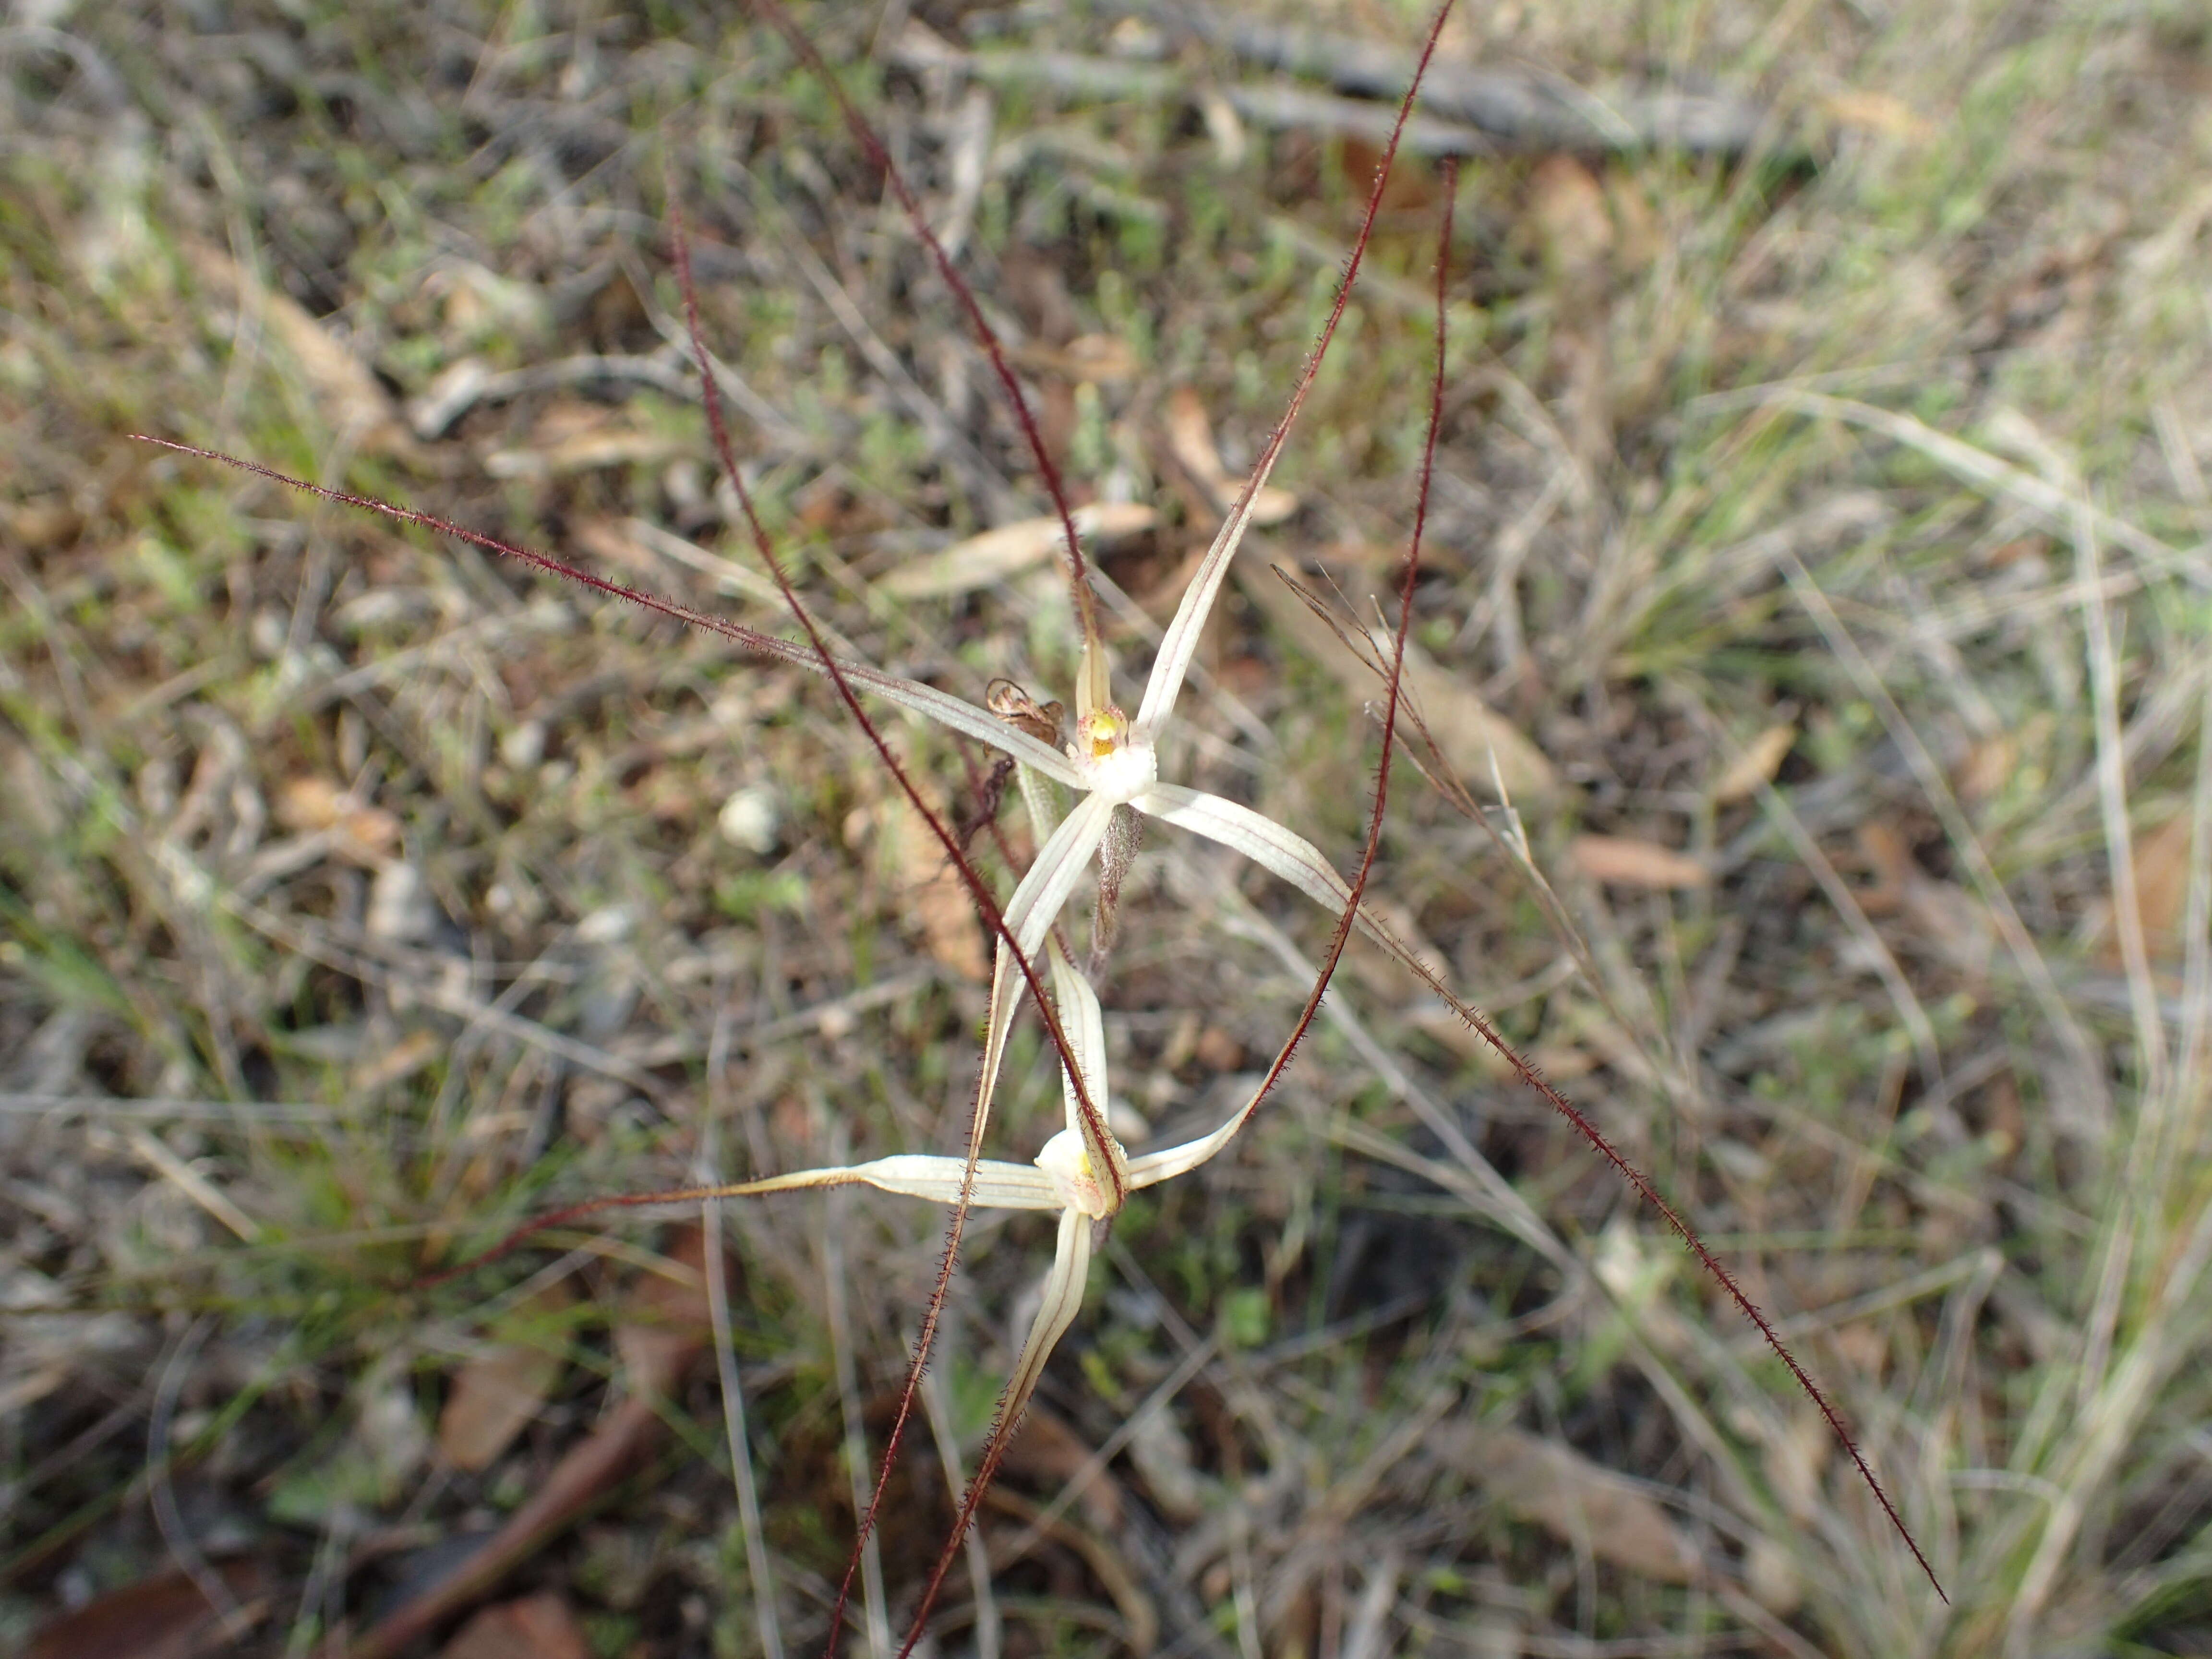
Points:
[[937, 900], [1568, 206], [1473, 737], [986, 560], [501, 1389], [2163, 870], [1626, 861], [1882, 113], [1863, 1346], [399, 1062], [350, 398], [1190, 440], [1954, 924], [573, 436], [1575, 1500], [1100, 359], [38, 526], [541, 1626], [661, 1328], [1988, 766], [1048, 1450], [1885, 854], [1755, 763], [665, 1321], [311, 804], [165, 1617]]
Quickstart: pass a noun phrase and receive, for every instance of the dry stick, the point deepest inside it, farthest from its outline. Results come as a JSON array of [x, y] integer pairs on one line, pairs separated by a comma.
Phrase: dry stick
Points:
[[1002, 1432]]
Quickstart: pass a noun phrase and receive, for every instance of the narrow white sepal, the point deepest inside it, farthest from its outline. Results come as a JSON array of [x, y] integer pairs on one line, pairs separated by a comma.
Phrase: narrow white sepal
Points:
[[997, 1185], [1180, 644], [940, 706], [1282, 851], [1029, 914], [1108, 1167], [1063, 1299]]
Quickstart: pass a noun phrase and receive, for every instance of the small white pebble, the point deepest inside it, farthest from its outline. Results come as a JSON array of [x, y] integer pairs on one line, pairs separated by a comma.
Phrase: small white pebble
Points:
[[400, 908], [610, 924], [525, 746], [751, 818]]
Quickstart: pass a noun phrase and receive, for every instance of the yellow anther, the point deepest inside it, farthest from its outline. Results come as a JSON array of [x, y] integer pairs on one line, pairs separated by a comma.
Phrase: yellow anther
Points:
[[1102, 731]]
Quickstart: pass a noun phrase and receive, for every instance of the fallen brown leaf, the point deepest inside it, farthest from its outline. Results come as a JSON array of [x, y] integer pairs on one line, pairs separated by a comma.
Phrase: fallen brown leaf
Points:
[[1755, 763], [1575, 1499], [575, 436], [2163, 870], [1190, 440], [986, 560], [401, 1060], [1886, 855], [350, 398], [662, 1328], [1568, 206], [936, 901], [1989, 764], [1626, 861], [1882, 113], [165, 1617], [1473, 737], [498, 1391], [309, 805], [541, 1626]]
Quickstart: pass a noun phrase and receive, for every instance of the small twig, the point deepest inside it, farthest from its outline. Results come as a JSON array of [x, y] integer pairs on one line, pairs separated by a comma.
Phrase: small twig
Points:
[[1517, 108]]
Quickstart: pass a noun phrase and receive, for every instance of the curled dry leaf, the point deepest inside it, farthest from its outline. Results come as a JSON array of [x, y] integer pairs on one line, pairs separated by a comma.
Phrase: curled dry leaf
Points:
[[1574, 1499], [1755, 763], [503, 1385], [1190, 440], [985, 560], [1626, 861]]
